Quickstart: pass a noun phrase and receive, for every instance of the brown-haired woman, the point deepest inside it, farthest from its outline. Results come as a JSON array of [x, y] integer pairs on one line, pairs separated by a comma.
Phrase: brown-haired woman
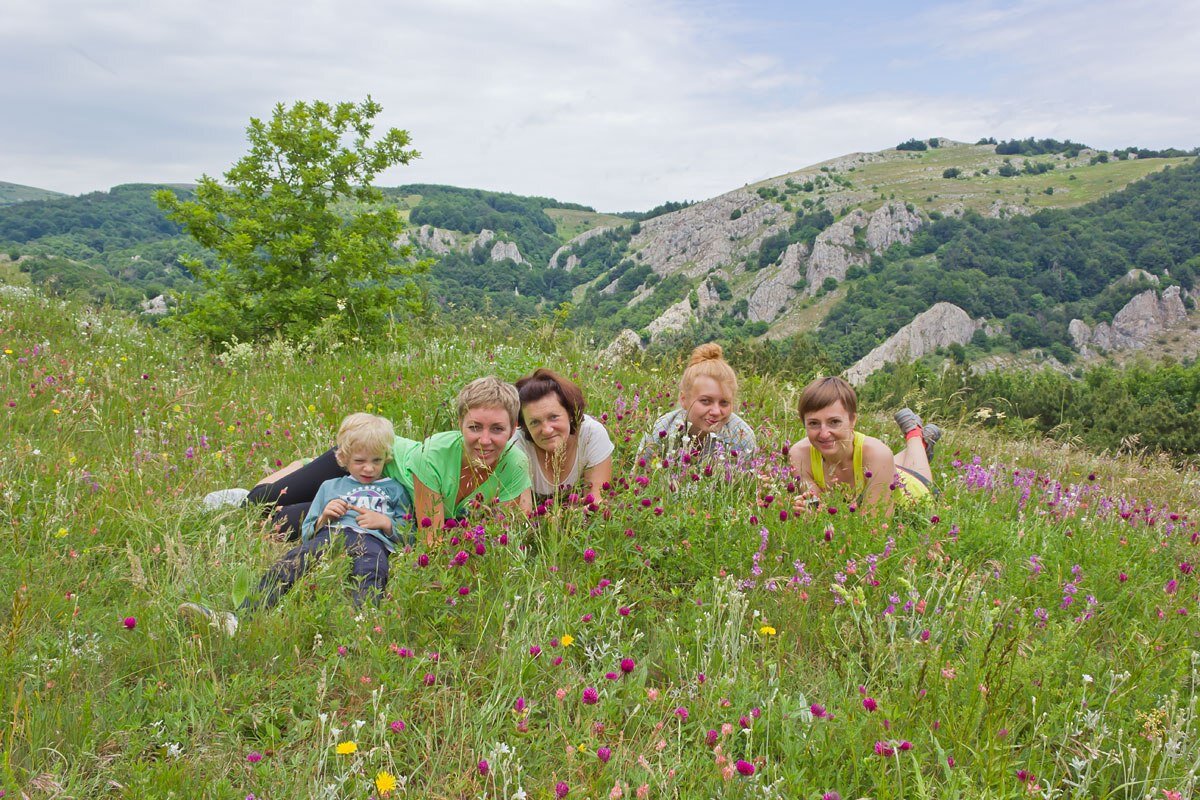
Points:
[[568, 450], [704, 423], [834, 454]]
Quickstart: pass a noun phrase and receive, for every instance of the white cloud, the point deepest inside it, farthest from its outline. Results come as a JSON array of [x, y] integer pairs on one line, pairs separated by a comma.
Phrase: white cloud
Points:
[[616, 103]]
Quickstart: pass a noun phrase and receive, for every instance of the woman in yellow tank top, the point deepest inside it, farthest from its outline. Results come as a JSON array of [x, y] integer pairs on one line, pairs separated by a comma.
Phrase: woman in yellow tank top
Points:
[[834, 454]]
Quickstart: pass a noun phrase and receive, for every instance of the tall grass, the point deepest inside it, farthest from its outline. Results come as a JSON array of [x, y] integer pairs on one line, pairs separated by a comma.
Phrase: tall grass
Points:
[[1032, 633]]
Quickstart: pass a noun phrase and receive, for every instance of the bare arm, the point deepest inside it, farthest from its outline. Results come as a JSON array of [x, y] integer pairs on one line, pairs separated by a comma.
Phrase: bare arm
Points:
[[428, 504], [595, 477], [879, 463]]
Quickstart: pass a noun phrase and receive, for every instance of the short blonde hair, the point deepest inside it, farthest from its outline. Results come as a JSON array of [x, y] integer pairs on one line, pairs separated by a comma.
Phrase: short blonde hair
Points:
[[708, 361], [489, 392], [364, 433]]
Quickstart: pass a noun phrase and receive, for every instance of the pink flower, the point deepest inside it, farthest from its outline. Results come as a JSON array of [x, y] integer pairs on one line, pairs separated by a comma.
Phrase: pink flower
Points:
[[398, 726], [627, 665], [589, 555], [744, 767], [341, 651], [561, 789], [884, 749], [130, 622], [483, 767], [710, 738], [591, 696], [604, 754], [623, 611], [463, 591], [430, 679], [818, 710], [534, 650], [869, 703], [254, 756], [682, 713]]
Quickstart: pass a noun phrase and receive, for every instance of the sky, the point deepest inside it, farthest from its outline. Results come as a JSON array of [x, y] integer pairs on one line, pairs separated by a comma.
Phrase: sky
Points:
[[617, 104]]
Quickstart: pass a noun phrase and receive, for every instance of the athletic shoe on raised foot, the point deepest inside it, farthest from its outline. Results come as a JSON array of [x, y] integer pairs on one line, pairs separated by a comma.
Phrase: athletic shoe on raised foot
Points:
[[907, 419], [224, 497], [930, 433], [225, 621]]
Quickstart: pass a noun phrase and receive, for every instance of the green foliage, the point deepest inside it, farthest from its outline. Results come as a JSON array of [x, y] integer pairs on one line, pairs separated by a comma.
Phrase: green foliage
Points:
[[913, 144], [1037, 147], [1035, 601], [950, 172], [668, 207], [1153, 408], [1050, 267], [289, 258], [473, 210]]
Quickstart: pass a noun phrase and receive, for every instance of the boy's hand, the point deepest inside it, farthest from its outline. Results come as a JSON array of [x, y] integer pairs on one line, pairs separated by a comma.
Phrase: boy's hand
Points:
[[335, 509], [373, 520]]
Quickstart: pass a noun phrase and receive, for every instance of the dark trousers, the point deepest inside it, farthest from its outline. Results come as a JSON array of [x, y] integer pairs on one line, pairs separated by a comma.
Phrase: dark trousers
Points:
[[369, 569], [291, 495]]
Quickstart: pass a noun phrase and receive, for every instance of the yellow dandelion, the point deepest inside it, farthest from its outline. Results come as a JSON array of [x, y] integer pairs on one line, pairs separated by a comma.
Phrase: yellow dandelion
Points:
[[385, 782], [8, 351], [72, 460], [582, 747], [177, 408], [767, 630], [61, 533], [56, 411], [230, 429], [312, 409], [567, 640], [347, 748]]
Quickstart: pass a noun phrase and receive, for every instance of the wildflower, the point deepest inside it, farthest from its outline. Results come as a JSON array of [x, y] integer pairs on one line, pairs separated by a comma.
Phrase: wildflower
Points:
[[397, 726], [682, 713], [567, 640], [483, 767], [652, 694], [818, 711], [347, 748], [831, 796], [884, 749], [767, 630], [341, 650], [591, 696], [589, 555], [561, 789], [612, 676], [710, 738], [870, 704], [627, 665], [430, 679], [423, 560], [463, 591], [623, 611], [254, 757], [130, 622], [604, 754], [534, 650], [744, 767], [385, 782]]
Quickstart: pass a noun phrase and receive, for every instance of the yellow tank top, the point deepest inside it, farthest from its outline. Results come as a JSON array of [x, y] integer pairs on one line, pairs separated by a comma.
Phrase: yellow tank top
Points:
[[818, 464], [907, 491]]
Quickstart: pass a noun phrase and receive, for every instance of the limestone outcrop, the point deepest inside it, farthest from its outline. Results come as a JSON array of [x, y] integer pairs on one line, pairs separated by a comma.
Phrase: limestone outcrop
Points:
[[626, 344], [675, 318], [572, 259], [436, 240], [941, 325], [697, 239], [503, 250], [155, 306], [1135, 326], [837, 248], [776, 285]]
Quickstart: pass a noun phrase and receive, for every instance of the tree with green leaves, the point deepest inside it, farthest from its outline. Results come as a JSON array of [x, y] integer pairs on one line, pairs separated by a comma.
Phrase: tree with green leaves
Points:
[[301, 238]]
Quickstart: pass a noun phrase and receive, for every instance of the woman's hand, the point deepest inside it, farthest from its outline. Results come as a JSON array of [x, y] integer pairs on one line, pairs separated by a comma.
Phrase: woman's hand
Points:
[[808, 500]]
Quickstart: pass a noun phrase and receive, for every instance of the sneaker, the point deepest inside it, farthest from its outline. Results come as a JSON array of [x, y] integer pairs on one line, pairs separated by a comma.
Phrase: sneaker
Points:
[[224, 497], [930, 433], [907, 419], [225, 621]]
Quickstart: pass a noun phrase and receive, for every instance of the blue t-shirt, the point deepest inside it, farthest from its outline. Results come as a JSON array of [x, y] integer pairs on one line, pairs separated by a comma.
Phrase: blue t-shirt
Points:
[[385, 495]]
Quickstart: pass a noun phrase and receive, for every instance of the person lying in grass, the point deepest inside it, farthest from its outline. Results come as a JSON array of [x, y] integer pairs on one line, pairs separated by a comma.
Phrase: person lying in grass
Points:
[[704, 424], [447, 475], [833, 454], [568, 451], [367, 509]]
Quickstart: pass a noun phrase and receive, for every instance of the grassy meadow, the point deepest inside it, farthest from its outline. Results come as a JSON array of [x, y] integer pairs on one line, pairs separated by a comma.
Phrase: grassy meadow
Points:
[[1032, 634]]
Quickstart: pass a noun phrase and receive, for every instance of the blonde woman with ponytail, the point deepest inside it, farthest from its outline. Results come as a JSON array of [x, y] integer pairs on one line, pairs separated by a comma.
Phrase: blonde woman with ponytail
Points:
[[704, 424]]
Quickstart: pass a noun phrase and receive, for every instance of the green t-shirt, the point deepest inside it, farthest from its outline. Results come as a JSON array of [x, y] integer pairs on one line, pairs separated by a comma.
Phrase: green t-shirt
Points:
[[437, 461]]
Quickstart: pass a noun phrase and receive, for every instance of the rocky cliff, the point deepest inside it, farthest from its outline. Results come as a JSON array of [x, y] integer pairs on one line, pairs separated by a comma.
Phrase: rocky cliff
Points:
[[1136, 325], [942, 325]]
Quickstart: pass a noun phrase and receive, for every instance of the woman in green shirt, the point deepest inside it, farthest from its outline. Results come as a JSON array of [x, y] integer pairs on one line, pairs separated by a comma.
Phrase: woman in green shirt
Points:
[[447, 475]]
